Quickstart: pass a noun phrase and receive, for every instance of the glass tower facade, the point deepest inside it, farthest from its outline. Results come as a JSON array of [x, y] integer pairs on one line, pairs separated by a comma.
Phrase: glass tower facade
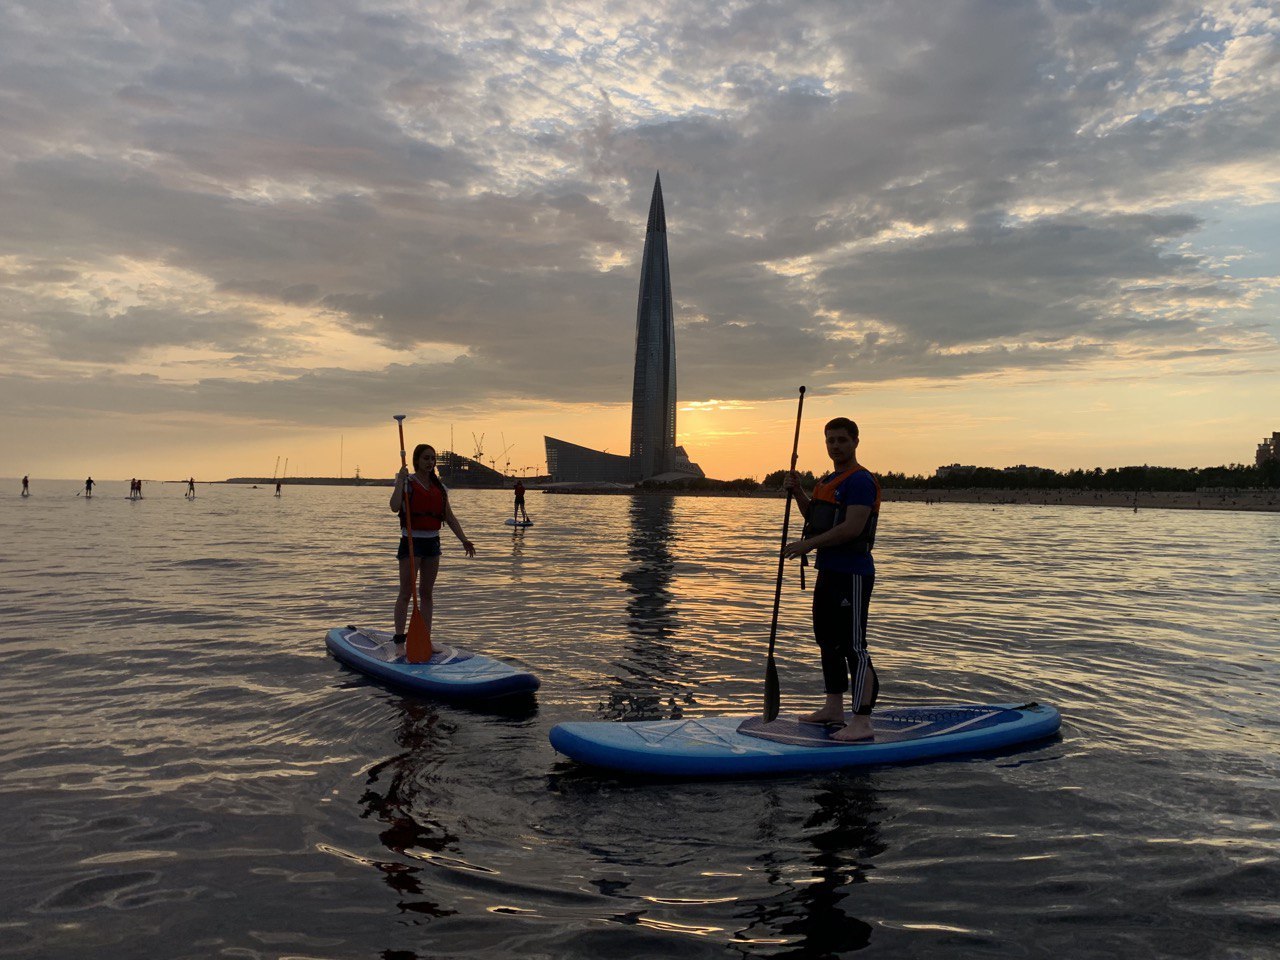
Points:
[[653, 390]]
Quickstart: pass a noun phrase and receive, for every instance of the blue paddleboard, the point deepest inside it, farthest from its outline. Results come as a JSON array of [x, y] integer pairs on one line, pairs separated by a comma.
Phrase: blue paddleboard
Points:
[[512, 522], [743, 746], [452, 673]]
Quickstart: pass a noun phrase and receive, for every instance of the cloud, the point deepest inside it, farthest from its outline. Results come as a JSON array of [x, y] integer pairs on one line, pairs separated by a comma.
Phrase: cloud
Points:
[[457, 194]]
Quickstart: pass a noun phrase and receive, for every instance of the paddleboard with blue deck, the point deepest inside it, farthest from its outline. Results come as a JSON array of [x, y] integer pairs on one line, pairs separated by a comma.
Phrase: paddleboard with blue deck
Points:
[[746, 746], [452, 673], [510, 522]]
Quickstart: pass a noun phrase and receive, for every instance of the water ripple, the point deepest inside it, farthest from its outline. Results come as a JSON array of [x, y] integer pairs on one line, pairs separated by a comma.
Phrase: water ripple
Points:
[[183, 763]]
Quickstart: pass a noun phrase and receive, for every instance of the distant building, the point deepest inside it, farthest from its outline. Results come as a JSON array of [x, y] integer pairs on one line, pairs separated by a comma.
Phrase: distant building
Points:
[[570, 462], [1268, 449], [952, 470], [459, 471], [653, 454]]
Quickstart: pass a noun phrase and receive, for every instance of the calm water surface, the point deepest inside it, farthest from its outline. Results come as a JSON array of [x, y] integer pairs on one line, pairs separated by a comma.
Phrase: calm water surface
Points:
[[186, 773]]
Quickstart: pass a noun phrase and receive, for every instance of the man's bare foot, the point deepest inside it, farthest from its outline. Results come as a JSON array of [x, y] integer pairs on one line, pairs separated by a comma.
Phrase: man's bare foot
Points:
[[823, 716], [857, 729]]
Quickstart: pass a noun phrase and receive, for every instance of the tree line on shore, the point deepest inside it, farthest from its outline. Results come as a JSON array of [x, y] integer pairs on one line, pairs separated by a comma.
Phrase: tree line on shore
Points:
[[1145, 477]]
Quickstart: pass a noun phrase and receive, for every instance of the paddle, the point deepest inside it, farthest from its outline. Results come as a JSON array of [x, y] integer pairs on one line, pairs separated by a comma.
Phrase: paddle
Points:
[[417, 648], [772, 695]]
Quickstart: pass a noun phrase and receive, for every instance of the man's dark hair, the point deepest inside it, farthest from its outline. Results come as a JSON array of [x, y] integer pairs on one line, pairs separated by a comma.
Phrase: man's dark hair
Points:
[[845, 424]]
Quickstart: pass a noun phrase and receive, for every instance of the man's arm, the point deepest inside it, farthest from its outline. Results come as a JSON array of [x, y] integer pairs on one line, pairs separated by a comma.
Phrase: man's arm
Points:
[[854, 522]]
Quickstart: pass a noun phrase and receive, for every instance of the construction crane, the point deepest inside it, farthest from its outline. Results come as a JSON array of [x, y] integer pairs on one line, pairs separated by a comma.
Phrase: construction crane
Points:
[[506, 448]]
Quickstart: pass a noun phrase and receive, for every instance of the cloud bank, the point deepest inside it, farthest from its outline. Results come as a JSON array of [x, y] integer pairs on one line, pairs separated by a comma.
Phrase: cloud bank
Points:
[[299, 211]]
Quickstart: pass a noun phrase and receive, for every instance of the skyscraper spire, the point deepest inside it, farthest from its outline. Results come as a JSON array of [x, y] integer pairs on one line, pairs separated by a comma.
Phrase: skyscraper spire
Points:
[[657, 215], [653, 392]]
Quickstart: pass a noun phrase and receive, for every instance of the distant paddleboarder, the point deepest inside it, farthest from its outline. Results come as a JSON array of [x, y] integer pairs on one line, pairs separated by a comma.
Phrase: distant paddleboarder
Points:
[[425, 499], [277, 488], [26, 487], [840, 525], [518, 511], [191, 489], [88, 487]]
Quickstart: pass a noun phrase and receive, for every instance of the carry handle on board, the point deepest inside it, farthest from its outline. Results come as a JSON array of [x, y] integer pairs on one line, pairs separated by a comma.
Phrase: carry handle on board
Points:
[[772, 694], [417, 647]]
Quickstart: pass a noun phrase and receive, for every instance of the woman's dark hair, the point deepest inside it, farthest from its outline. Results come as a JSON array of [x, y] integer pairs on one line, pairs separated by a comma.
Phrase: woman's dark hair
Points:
[[418, 451], [845, 424]]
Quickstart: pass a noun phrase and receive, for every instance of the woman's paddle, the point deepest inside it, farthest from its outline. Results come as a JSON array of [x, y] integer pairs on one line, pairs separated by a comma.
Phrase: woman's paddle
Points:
[[417, 648], [772, 695]]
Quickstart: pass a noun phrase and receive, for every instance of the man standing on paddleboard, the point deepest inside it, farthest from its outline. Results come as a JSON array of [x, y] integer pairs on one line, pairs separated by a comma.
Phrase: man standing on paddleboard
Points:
[[841, 519], [428, 508]]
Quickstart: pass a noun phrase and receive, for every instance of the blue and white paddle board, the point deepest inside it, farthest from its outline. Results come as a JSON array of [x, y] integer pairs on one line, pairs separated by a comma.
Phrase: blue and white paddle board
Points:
[[512, 522], [452, 673], [746, 746]]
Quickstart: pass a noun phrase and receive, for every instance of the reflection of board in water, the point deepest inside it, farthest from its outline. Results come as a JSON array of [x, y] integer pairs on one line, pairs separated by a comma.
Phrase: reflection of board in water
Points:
[[739, 746]]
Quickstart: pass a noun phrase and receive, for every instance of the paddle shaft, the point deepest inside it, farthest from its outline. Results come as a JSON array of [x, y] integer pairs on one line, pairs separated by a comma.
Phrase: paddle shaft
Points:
[[771, 692]]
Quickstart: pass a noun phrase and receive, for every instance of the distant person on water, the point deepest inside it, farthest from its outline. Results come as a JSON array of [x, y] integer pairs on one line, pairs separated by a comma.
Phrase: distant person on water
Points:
[[88, 487], [277, 488], [840, 525], [26, 487], [191, 487], [428, 508], [518, 511]]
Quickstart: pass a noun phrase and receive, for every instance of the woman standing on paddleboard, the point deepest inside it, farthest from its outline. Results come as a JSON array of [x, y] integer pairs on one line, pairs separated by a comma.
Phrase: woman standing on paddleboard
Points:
[[428, 508]]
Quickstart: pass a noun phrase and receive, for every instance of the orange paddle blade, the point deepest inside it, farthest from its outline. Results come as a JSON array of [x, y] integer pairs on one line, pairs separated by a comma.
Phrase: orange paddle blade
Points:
[[417, 647]]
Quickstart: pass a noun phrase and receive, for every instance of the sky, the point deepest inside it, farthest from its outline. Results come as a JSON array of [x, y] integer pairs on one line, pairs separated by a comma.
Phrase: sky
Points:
[[993, 232]]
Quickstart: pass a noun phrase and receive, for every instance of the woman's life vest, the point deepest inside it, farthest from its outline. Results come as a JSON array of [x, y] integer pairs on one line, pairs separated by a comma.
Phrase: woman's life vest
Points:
[[425, 504], [826, 513]]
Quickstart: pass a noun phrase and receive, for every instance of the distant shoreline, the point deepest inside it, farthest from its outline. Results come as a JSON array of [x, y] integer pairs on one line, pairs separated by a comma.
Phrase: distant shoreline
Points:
[[1264, 500], [1261, 500]]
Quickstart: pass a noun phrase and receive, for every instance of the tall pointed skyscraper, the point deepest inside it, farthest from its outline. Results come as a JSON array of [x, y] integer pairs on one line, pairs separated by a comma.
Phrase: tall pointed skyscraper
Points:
[[653, 391], [654, 453]]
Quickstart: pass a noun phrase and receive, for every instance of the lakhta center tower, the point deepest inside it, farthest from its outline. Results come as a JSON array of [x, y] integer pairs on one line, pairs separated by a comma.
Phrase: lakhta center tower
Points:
[[654, 453], [653, 392]]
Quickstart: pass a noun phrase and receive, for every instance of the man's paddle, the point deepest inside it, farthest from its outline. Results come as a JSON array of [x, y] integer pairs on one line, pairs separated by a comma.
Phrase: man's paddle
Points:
[[772, 695], [417, 648]]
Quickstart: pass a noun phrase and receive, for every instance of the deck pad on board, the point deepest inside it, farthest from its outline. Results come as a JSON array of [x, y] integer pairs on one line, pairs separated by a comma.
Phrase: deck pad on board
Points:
[[891, 726], [382, 645]]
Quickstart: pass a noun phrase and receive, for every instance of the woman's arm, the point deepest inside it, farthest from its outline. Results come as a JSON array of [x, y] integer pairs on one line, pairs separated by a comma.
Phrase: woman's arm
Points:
[[397, 494], [456, 527]]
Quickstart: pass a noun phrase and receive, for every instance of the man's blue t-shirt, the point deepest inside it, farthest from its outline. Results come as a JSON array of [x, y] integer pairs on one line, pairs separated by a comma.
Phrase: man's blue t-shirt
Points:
[[858, 489]]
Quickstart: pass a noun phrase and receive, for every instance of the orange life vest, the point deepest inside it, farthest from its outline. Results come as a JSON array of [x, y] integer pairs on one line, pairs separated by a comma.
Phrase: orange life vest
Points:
[[826, 513], [426, 505]]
